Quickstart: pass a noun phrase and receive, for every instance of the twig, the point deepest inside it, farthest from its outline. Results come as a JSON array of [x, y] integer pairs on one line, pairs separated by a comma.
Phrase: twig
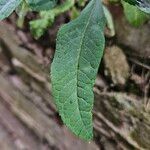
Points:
[[139, 63]]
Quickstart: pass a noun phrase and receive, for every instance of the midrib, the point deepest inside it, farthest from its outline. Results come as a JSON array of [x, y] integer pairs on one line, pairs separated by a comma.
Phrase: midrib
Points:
[[80, 49]]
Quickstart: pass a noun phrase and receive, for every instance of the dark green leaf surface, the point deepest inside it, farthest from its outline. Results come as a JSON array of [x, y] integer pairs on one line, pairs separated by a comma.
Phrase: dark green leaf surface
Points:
[[7, 7], [135, 16], [79, 50], [39, 5]]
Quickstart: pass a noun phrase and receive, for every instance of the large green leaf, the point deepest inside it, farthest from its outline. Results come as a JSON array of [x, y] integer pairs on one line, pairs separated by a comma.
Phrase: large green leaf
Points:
[[7, 7], [39, 5], [79, 49], [135, 16]]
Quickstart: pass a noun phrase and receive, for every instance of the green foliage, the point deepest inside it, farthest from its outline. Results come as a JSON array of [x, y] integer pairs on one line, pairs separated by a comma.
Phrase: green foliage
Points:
[[7, 7], [39, 5], [21, 10], [134, 15], [82, 2], [39, 26], [109, 20], [131, 2], [79, 49], [144, 5], [74, 13]]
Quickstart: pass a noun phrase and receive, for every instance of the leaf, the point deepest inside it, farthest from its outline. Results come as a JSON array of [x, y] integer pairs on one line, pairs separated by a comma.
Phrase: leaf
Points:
[[132, 2], [40, 5], [110, 22], [21, 11], [46, 19], [7, 7], [135, 16], [39, 26], [143, 5], [79, 50]]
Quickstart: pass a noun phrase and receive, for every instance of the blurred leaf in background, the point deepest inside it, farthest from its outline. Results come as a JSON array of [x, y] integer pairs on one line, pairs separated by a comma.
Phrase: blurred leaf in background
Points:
[[39, 26], [143, 5], [39, 5], [134, 15]]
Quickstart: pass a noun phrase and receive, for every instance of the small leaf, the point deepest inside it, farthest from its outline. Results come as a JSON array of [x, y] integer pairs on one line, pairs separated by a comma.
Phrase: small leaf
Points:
[[7, 7], [40, 5], [79, 50], [135, 16]]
